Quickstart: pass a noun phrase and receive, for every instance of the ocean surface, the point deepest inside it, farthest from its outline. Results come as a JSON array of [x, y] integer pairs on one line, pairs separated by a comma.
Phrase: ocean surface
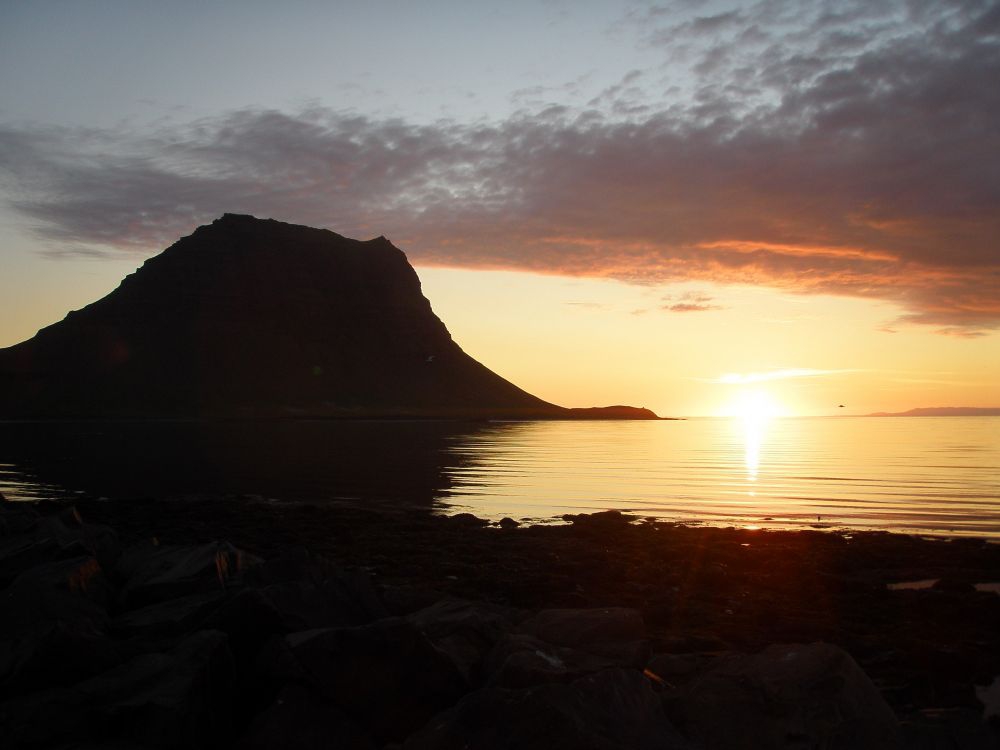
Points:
[[926, 475]]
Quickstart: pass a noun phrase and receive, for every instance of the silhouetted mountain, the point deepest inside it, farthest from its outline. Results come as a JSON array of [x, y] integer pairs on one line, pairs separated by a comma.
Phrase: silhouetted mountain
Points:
[[257, 317], [943, 411]]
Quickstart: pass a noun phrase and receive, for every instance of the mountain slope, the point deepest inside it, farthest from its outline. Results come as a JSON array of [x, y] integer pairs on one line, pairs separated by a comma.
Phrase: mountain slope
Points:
[[258, 318]]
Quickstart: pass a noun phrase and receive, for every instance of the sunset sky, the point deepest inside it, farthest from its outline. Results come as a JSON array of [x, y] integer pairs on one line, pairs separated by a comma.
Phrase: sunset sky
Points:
[[689, 206]]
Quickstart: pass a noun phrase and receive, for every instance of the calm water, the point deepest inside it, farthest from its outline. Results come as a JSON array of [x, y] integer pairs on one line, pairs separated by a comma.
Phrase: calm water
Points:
[[936, 475], [926, 475]]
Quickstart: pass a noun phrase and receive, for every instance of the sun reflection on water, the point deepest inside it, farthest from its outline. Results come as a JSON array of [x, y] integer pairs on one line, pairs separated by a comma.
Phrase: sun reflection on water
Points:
[[753, 410], [754, 429]]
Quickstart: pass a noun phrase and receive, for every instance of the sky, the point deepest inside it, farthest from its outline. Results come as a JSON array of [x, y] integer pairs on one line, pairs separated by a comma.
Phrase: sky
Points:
[[703, 208]]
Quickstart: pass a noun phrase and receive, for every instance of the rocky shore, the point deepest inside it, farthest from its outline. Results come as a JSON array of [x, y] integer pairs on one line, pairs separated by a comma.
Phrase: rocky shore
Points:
[[239, 622]]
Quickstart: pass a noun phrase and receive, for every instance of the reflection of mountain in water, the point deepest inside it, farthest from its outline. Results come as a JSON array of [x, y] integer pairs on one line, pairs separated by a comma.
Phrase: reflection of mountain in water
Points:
[[370, 461]]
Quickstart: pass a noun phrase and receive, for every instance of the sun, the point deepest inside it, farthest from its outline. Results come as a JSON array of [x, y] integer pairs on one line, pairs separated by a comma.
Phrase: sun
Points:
[[754, 405]]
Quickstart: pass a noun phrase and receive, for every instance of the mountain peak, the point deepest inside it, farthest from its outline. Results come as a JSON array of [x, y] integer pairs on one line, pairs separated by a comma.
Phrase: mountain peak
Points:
[[255, 316]]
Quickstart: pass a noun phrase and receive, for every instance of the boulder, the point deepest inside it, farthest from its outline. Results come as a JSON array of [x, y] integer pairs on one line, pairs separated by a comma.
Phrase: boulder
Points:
[[605, 520], [312, 592], [387, 676], [677, 669], [161, 700], [788, 696], [611, 710], [466, 631], [301, 719], [30, 539], [154, 573], [304, 605], [585, 627], [15, 518], [74, 591], [166, 619], [58, 654], [249, 619], [520, 660]]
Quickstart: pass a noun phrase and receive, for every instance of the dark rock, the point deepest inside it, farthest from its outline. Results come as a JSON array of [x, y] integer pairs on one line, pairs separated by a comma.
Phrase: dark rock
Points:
[[521, 660], [677, 669], [168, 618], [312, 592], [784, 697], [161, 700], [606, 630], [610, 710], [465, 631], [154, 573], [349, 599], [293, 564], [508, 523], [31, 540], [404, 600], [249, 619], [16, 518], [75, 592], [693, 643], [950, 729], [56, 655], [610, 519], [300, 719], [466, 519], [387, 676]]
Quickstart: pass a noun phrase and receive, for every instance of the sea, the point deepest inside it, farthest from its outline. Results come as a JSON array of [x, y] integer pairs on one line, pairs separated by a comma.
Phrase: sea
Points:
[[934, 476]]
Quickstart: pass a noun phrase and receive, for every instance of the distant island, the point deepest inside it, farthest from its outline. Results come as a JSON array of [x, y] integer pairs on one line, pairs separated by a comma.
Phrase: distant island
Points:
[[257, 318], [944, 411]]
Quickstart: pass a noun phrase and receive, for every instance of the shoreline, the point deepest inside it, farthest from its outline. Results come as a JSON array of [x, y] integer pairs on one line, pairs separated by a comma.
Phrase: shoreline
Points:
[[703, 592], [608, 558]]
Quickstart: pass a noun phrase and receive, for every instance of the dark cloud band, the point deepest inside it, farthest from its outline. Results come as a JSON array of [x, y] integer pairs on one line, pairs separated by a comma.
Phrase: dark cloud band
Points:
[[870, 169]]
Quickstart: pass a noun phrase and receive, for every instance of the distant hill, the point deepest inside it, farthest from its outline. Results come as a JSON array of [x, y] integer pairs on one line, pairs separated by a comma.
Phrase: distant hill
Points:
[[944, 411], [252, 317]]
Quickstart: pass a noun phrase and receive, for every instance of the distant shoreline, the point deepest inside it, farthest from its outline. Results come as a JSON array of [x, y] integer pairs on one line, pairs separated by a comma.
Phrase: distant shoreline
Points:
[[943, 411]]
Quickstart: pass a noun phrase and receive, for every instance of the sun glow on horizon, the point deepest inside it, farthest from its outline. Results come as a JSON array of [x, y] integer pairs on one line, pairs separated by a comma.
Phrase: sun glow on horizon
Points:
[[753, 405]]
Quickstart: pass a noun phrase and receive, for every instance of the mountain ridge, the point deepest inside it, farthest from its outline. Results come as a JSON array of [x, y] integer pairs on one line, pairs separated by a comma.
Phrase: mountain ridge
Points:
[[260, 318]]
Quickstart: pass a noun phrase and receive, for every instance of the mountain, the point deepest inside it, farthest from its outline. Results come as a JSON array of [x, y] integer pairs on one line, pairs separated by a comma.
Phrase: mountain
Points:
[[252, 317], [943, 411]]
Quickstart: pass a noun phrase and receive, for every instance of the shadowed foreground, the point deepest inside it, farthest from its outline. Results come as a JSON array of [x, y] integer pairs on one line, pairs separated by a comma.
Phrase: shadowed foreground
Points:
[[398, 629]]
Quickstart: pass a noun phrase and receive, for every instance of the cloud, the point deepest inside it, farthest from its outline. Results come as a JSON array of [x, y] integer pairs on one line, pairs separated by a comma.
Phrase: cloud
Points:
[[734, 378], [690, 302], [849, 151], [683, 307]]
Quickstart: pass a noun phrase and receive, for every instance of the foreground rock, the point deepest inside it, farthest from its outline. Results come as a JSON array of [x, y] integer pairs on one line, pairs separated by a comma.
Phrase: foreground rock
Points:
[[182, 698], [786, 696], [204, 645], [609, 710]]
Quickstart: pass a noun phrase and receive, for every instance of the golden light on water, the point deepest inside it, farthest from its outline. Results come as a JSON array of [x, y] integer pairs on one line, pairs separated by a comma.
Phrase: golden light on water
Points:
[[753, 438], [753, 409]]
